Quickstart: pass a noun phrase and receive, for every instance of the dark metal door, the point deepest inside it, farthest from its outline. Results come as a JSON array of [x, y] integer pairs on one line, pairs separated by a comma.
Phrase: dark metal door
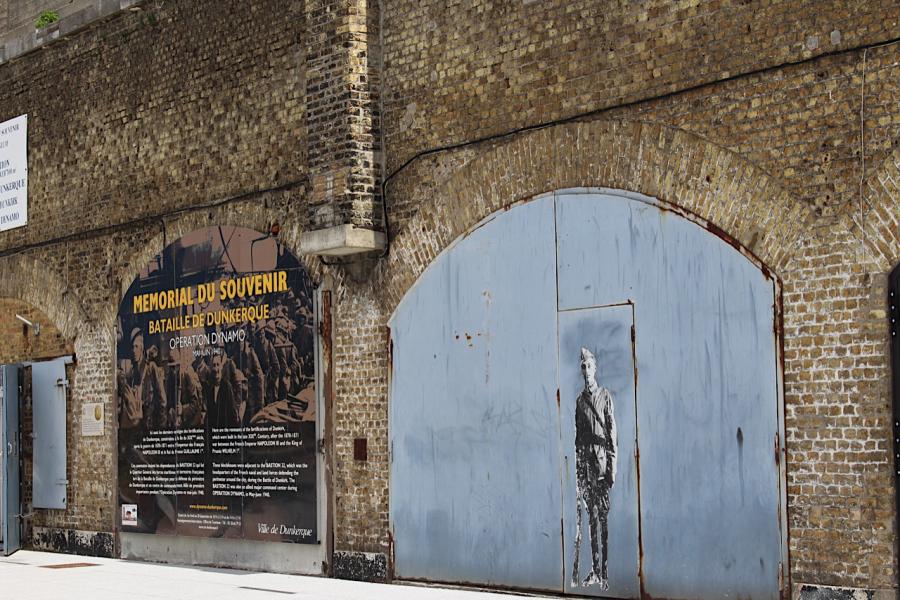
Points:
[[10, 507]]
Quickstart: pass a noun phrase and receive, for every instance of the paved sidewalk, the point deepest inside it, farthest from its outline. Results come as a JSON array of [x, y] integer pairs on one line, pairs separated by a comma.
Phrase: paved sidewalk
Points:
[[45, 576]]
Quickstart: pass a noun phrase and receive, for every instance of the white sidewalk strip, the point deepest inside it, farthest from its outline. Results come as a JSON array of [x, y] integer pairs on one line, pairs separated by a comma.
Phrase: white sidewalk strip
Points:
[[31, 575]]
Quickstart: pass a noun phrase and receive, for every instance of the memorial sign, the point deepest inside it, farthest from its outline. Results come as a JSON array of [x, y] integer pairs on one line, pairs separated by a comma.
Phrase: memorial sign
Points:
[[216, 391]]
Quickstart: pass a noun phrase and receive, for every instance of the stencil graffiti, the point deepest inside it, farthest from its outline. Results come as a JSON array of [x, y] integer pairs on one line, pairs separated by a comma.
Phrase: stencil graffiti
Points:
[[595, 454]]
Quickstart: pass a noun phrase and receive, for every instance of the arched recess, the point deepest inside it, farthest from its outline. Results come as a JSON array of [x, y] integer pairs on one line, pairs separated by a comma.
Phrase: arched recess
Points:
[[691, 176], [486, 392], [679, 168], [25, 278], [254, 216]]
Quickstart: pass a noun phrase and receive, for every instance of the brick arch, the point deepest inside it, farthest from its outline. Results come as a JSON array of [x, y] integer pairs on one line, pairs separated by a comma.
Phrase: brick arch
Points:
[[877, 225], [24, 278], [254, 216], [677, 167]]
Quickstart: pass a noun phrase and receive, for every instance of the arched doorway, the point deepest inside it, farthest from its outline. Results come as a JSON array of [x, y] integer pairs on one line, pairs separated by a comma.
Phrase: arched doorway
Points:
[[35, 432], [589, 360]]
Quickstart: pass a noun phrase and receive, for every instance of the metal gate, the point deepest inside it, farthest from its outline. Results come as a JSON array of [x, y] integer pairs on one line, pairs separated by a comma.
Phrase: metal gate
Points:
[[585, 399]]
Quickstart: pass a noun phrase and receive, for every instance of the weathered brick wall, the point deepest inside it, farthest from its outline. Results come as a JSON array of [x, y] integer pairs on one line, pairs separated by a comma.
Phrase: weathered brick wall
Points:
[[19, 343], [837, 405], [163, 110], [801, 122], [343, 120], [480, 68], [159, 109], [360, 411], [4, 15]]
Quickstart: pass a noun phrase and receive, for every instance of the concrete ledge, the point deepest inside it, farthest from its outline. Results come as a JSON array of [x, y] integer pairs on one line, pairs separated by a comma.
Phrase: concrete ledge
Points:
[[341, 240], [72, 17], [252, 555]]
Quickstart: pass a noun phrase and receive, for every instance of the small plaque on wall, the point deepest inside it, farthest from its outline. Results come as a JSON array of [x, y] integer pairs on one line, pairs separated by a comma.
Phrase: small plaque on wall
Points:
[[92, 419]]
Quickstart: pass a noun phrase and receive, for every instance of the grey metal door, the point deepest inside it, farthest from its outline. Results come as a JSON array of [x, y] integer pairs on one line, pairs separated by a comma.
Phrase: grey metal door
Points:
[[708, 398], [475, 475], [490, 383], [10, 508], [48, 392]]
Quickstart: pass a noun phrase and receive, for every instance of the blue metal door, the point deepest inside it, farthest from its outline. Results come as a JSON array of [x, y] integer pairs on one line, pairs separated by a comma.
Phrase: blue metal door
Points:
[[475, 474], [48, 390], [10, 508], [567, 337], [707, 390]]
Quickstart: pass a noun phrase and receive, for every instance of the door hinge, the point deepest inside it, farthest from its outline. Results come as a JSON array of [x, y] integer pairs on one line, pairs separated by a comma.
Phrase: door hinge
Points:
[[777, 448]]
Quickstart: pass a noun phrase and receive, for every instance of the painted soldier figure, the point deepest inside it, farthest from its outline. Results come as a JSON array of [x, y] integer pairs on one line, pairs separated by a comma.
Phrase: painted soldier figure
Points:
[[595, 468]]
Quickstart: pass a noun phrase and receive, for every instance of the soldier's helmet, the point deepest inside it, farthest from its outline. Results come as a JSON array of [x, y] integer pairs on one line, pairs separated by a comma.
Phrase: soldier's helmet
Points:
[[587, 357]]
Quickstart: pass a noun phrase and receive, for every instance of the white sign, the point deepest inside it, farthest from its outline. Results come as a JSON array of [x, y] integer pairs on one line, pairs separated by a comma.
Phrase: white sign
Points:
[[92, 419], [129, 515], [14, 173]]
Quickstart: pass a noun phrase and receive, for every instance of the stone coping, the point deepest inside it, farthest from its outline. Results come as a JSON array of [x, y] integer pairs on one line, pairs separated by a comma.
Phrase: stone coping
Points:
[[73, 17]]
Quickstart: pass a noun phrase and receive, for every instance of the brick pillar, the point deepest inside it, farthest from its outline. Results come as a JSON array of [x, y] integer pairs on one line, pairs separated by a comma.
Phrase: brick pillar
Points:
[[342, 128]]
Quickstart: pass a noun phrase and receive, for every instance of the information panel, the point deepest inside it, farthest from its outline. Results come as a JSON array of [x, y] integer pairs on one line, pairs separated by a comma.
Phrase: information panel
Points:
[[14, 173], [216, 391]]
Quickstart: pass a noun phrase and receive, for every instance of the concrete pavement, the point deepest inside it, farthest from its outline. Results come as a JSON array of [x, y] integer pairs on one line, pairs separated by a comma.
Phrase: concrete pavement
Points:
[[30, 575]]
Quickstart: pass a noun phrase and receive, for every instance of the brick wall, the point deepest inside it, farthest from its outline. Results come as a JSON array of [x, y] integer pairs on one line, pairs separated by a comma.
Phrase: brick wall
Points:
[[343, 118], [837, 396], [466, 70], [159, 121], [4, 15], [159, 109]]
